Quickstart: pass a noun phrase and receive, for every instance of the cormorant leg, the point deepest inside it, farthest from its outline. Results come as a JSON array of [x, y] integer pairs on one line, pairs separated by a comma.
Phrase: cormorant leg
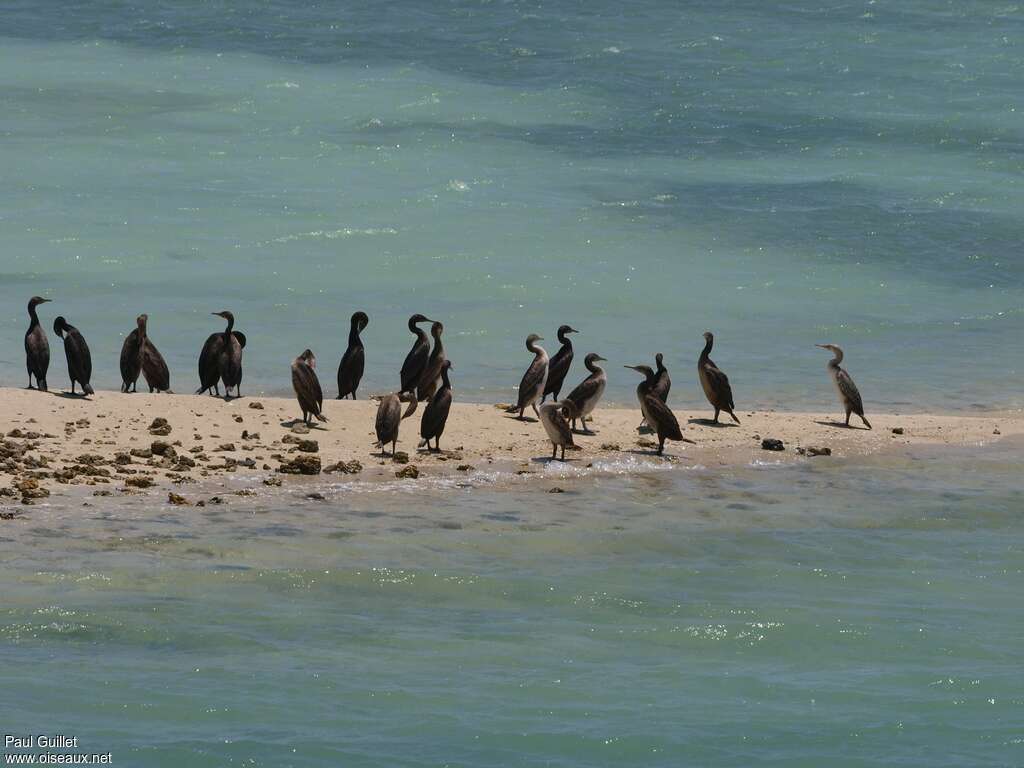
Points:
[[563, 453], [554, 451], [73, 389], [848, 418], [354, 395], [521, 413], [661, 446], [535, 410], [437, 441], [716, 415]]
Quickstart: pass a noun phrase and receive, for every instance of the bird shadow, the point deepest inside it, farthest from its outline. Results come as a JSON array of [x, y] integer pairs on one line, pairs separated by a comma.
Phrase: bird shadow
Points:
[[711, 423], [70, 395], [523, 419], [296, 422], [584, 432], [549, 460], [841, 425]]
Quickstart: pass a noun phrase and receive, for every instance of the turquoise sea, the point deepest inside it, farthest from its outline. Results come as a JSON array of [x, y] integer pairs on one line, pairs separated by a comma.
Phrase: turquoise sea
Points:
[[783, 173]]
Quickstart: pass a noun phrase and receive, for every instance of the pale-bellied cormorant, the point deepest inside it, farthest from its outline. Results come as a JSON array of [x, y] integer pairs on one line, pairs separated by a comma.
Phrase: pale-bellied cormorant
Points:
[[416, 360], [588, 393], [552, 416], [307, 386], [435, 416], [531, 388], [848, 394], [714, 381], [77, 353], [350, 372], [389, 417], [658, 415], [131, 355], [37, 347], [430, 380], [560, 362]]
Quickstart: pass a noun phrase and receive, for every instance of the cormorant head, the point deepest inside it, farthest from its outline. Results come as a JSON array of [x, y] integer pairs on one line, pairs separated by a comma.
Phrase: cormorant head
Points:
[[708, 336], [141, 321], [644, 370], [360, 320], [436, 329], [448, 365], [309, 357], [225, 314], [59, 325], [593, 357], [565, 329], [830, 347], [35, 301], [418, 318], [532, 339], [658, 358]]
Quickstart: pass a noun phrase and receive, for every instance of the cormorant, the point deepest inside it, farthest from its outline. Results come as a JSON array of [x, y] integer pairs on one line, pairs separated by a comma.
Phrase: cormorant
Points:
[[307, 386], [552, 417], [222, 354], [389, 417], [531, 388], [662, 383], [658, 415], [588, 393], [37, 347], [560, 363], [154, 367], [431, 378], [435, 416], [848, 394], [714, 381], [416, 360], [131, 355], [350, 372], [77, 353]]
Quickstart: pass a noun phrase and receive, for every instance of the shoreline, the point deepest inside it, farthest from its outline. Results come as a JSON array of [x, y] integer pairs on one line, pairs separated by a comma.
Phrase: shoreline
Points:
[[164, 444]]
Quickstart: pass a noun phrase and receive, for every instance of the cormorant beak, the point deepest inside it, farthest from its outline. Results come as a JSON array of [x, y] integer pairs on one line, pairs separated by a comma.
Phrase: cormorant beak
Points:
[[632, 367], [823, 346], [572, 330], [601, 359], [540, 338], [45, 301]]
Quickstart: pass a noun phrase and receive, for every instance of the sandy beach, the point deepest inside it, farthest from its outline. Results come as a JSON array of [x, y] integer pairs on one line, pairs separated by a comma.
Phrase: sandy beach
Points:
[[162, 443]]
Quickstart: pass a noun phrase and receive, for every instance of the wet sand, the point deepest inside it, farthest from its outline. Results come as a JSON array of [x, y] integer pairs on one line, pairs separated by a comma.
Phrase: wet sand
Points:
[[130, 443]]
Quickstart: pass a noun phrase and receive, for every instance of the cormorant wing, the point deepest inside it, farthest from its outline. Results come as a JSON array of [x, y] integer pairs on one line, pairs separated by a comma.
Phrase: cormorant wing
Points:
[[584, 390], [241, 338], [662, 418], [307, 387], [849, 391], [414, 364], [719, 383], [531, 379], [558, 367]]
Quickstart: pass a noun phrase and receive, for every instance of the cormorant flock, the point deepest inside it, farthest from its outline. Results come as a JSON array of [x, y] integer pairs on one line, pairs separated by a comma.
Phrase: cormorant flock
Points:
[[424, 378]]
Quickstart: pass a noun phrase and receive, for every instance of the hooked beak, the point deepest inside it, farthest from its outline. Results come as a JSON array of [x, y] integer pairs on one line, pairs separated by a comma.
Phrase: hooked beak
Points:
[[631, 367], [601, 359], [823, 346], [540, 338], [46, 301]]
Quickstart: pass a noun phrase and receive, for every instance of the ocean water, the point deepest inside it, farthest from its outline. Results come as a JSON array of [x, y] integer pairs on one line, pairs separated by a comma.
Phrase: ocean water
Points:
[[841, 613], [782, 173]]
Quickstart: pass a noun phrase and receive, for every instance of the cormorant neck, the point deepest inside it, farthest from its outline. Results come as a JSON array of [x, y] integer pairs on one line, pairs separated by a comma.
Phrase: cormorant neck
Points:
[[710, 342], [33, 317], [444, 378], [231, 326], [353, 334]]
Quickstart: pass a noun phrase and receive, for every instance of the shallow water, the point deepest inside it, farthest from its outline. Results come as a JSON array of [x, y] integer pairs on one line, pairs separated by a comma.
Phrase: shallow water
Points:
[[783, 173], [849, 612]]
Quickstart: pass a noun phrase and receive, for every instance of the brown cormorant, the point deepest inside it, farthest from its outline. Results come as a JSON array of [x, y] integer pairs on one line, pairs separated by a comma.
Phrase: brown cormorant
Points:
[[154, 367], [389, 417], [77, 353], [531, 388], [350, 372], [131, 355], [37, 347], [714, 381], [658, 415], [587, 394], [431, 378], [559, 365], [552, 416], [416, 360], [435, 416], [307, 386]]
